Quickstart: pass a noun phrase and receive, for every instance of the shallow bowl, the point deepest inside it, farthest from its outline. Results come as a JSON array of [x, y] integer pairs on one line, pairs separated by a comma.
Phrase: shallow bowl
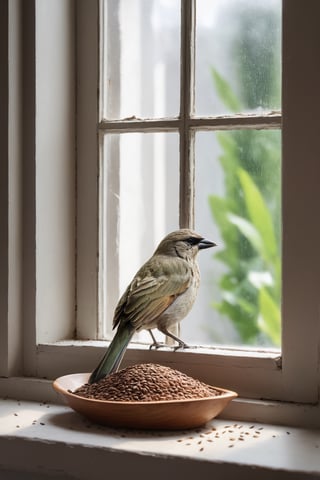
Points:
[[164, 415]]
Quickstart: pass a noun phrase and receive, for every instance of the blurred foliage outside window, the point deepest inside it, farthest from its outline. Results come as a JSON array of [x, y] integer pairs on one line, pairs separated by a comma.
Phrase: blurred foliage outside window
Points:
[[248, 215]]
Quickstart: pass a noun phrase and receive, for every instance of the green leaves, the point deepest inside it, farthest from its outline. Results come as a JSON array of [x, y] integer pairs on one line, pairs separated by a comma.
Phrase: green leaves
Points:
[[251, 287], [259, 216], [269, 317], [248, 213], [248, 230], [225, 92]]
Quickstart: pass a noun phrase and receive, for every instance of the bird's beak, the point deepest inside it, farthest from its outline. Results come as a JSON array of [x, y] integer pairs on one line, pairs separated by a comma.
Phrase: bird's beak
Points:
[[206, 244]]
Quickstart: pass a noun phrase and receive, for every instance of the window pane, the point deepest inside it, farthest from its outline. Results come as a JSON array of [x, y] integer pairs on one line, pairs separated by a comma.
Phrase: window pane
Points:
[[139, 194], [141, 58], [238, 194], [238, 45]]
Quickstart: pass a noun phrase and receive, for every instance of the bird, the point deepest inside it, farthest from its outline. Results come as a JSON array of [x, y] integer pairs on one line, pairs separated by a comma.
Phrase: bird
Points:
[[160, 295]]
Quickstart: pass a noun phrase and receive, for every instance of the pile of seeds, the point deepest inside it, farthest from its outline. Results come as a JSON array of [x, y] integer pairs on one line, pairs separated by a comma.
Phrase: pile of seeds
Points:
[[145, 383]]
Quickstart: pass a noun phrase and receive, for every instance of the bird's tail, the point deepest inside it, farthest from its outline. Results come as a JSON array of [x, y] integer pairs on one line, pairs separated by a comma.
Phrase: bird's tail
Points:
[[113, 356]]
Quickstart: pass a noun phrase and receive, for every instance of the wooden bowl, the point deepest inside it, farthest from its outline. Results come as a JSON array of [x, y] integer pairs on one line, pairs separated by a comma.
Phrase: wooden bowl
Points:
[[164, 415]]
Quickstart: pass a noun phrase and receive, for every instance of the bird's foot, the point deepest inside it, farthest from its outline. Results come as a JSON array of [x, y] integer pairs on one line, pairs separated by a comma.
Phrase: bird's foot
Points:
[[156, 345], [182, 346]]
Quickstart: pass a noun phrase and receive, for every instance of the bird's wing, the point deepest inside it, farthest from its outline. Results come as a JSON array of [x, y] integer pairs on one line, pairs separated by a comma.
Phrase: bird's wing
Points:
[[153, 290]]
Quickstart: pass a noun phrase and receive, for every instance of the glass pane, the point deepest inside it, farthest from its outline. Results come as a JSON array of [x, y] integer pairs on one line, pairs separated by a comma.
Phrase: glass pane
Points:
[[238, 195], [141, 58], [139, 195], [238, 46]]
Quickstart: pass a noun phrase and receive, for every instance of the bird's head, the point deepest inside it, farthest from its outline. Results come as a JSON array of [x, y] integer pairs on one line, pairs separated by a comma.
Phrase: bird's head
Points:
[[184, 243]]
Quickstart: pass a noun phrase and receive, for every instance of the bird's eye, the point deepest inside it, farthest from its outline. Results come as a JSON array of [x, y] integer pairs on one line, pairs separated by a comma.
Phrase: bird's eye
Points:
[[193, 240]]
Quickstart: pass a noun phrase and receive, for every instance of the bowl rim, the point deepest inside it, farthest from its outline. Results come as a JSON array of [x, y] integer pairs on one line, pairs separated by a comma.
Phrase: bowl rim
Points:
[[225, 394]]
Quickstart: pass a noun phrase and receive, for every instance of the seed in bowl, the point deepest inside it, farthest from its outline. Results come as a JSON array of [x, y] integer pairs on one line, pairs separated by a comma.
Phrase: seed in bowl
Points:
[[146, 383]]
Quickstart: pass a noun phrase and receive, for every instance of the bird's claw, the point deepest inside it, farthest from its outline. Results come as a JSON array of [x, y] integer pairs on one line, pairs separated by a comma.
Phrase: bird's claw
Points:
[[182, 346], [157, 345]]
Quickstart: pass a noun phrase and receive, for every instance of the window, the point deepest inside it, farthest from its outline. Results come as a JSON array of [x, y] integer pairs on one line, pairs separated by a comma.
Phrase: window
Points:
[[206, 113], [132, 126], [61, 236]]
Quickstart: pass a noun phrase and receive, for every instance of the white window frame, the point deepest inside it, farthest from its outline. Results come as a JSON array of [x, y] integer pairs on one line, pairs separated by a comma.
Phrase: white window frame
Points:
[[38, 284]]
